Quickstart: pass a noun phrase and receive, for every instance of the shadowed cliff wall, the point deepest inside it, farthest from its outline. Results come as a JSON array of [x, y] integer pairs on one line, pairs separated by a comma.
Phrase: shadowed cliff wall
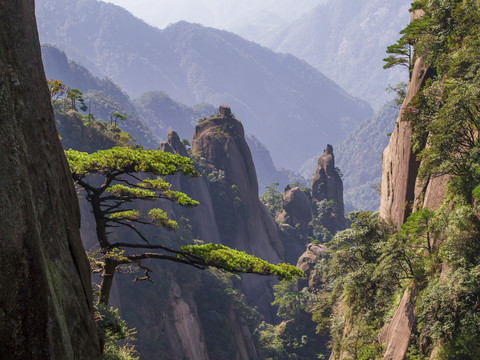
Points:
[[45, 293]]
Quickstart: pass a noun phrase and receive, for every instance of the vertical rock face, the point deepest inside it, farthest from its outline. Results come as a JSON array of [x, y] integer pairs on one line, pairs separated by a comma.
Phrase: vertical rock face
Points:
[[396, 334], [399, 165], [327, 184], [45, 293], [220, 140], [401, 193], [202, 217]]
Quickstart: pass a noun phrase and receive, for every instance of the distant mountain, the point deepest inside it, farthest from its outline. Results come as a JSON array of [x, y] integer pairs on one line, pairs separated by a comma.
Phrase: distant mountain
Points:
[[241, 17], [267, 173], [149, 117], [162, 113], [347, 40], [359, 157], [102, 96], [282, 100]]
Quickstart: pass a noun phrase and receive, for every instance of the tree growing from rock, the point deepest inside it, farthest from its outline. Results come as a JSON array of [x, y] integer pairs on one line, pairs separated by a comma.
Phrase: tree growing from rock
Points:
[[114, 181], [117, 116], [75, 96]]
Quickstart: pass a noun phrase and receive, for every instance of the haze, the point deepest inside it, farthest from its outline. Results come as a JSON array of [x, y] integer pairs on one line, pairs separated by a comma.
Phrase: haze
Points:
[[245, 17]]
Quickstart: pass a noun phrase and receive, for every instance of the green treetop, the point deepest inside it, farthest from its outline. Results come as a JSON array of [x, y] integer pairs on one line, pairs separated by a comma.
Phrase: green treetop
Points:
[[117, 116], [114, 180]]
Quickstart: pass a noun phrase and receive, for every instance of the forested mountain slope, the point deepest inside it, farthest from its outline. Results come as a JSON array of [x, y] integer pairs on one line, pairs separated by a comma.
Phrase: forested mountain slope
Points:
[[405, 284], [279, 97], [148, 118], [346, 40]]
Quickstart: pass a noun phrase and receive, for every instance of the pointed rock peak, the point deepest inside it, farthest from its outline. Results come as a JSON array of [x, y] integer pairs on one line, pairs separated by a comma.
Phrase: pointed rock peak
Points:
[[173, 136], [225, 111], [328, 149], [166, 147], [221, 128], [327, 160], [327, 183], [176, 143]]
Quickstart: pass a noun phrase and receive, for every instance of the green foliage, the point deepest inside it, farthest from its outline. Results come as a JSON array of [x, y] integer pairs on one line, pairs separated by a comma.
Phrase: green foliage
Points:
[[326, 222], [84, 133], [186, 143], [400, 90], [75, 96], [434, 254], [117, 116], [400, 54], [57, 89], [120, 173], [445, 113], [272, 345], [272, 199], [352, 284], [449, 313], [115, 333], [122, 160], [290, 302], [236, 261]]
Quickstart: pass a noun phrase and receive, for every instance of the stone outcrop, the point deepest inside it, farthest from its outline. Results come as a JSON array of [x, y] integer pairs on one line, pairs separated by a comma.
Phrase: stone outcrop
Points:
[[328, 185], [297, 208], [308, 260], [396, 334], [221, 141], [293, 222], [202, 216], [163, 313], [400, 191], [46, 307], [399, 164]]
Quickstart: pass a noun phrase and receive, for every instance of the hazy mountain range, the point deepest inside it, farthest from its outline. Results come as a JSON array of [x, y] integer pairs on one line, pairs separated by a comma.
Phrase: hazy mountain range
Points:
[[344, 39], [290, 107], [245, 18], [347, 40]]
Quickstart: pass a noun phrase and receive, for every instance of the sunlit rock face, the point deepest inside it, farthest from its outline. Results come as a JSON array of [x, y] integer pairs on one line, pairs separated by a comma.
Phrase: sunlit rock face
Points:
[[45, 295], [221, 141]]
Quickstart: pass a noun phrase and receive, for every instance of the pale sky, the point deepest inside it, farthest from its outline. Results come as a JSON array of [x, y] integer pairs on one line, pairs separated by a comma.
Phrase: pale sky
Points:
[[223, 14]]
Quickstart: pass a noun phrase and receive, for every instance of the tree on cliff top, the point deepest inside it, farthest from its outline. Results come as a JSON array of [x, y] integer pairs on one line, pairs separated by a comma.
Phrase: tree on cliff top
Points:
[[115, 178]]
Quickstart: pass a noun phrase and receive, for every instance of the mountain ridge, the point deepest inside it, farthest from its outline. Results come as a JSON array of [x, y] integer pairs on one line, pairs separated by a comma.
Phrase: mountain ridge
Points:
[[279, 97]]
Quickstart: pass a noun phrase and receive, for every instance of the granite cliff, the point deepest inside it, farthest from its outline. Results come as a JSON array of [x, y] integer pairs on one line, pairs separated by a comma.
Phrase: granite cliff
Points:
[[220, 140], [400, 190], [175, 316], [46, 307]]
